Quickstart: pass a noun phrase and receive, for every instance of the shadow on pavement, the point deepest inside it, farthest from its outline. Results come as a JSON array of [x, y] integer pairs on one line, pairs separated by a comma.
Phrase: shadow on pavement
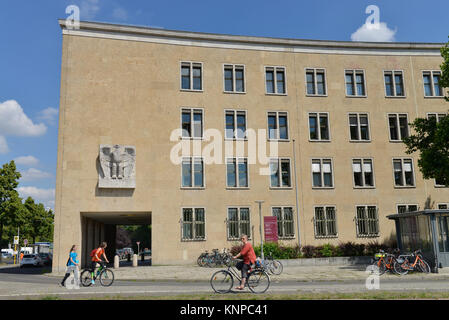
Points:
[[15, 269]]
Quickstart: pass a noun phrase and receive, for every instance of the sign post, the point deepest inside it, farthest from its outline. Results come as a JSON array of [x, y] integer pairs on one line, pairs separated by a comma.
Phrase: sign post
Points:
[[271, 229], [138, 244], [260, 227]]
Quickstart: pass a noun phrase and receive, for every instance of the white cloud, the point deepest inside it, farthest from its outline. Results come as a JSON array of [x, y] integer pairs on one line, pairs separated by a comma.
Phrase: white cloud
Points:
[[13, 121], [48, 115], [26, 161], [34, 174], [3, 145], [374, 32], [120, 13], [44, 196], [89, 9]]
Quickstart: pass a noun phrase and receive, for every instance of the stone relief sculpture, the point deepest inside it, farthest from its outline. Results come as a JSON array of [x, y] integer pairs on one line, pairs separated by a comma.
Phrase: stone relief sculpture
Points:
[[117, 164]]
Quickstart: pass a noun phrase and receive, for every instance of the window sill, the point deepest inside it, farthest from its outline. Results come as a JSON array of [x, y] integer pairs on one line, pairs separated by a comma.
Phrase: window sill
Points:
[[395, 97], [281, 188], [278, 140], [326, 237], [236, 92], [310, 140], [191, 138], [354, 96], [405, 187], [440, 186], [360, 141], [317, 95], [191, 90], [276, 94], [193, 240], [193, 188], [237, 188], [362, 188], [235, 139], [323, 188], [433, 97]]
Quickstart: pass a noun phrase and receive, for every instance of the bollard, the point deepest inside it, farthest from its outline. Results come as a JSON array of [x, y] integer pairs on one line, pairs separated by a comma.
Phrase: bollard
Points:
[[129, 257], [134, 260], [116, 262]]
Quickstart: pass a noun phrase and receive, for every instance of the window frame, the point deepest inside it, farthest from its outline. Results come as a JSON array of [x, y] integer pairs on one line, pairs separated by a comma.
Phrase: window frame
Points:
[[393, 73], [192, 112], [407, 205], [194, 222], [322, 173], [366, 218], [236, 112], [279, 163], [354, 73], [432, 84], [237, 173], [318, 113], [192, 173], [191, 64], [335, 221], [315, 94], [359, 127], [405, 186], [362, 162], [234, 79], [275, 85], [277, 130], [284, 237], [398, 126], [228, 238]]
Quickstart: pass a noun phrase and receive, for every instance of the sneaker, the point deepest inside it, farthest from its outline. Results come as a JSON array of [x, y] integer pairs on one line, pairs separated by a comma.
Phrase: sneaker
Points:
[[92, 282], [61, 284]]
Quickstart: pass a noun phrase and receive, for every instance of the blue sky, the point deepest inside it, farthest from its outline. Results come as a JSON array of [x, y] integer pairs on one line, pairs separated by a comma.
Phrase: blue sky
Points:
[[30, 55]]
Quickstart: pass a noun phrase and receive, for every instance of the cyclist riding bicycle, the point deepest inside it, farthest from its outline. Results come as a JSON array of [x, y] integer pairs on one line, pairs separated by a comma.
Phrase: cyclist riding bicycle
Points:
[[96, 258], [249, 258]]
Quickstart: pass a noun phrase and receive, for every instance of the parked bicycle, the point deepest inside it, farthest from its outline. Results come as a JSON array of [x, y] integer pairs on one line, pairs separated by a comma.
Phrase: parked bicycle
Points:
[[215, 258], [384, 261], [105, 275], [272, 266], [258, 280], [411, 262]]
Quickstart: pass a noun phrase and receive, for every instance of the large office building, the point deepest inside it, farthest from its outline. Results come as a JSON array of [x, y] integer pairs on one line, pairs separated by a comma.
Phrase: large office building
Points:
[[185, 131]]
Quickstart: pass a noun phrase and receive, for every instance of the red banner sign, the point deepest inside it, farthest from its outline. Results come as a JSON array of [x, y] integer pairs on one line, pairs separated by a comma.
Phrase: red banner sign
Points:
[[270, 229]]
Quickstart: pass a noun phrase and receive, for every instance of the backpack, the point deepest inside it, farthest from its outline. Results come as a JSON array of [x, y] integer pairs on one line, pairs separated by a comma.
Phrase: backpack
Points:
[[92, 253]]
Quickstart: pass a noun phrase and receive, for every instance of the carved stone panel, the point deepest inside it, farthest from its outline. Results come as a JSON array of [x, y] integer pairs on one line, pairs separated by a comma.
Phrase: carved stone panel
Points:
[[117, 166]]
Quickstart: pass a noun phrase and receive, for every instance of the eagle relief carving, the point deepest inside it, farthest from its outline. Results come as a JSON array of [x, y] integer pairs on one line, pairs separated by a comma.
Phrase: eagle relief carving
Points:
[[118, 166]]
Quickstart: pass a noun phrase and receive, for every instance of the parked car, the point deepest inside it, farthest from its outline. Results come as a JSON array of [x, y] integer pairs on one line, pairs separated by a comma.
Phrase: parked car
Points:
[[46, 258], [31, 260]]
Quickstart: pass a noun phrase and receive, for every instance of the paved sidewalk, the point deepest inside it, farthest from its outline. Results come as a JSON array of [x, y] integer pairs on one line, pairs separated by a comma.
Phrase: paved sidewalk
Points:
[[290, 273]]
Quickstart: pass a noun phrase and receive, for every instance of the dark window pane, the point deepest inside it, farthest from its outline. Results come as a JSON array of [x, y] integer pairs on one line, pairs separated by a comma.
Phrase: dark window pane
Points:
[[185, 77], [389, 85], [198, 169], [324, 127], [186, 125], [310, 83], [272, 127], [280, 82], [270, 81], [393, 128], [243, 174], [229, 85], [285, 170], [283, 132], [313, 124], [186, 173], [231, 174]]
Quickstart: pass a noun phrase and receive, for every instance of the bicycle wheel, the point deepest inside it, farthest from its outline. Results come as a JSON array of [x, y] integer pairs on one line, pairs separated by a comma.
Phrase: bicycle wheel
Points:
[[276, 267], [106, 277], [399, 269], [380, 266], [222, 281], [258, 281], [86, 278], [423, 266]]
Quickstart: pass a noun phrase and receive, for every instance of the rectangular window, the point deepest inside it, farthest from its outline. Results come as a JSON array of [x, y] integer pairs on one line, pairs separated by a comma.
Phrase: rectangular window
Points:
[[325, 222], [322, 173], [280, 173], [319, 126], [316, 82], [403, 208], [234, 78], [192, 123], [359, 127], [275, 80], [277, 126], [284, 217], [235, 124], [431, 80], [355, 83], [237, 173], [367, 221], [191, 76], [437, 116], [398, 123], [403, 173], [238, 223], [363, 173], [192, 172], [394, 84], [443, 206], [193, 224]]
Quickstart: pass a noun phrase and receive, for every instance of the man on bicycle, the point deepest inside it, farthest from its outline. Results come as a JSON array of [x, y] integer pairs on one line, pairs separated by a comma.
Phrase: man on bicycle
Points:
[[249, 258], [96, 258]]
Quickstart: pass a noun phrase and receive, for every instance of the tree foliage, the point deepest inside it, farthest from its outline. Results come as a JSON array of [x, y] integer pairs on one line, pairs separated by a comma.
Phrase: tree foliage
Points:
[[444, 81], [431, 139]]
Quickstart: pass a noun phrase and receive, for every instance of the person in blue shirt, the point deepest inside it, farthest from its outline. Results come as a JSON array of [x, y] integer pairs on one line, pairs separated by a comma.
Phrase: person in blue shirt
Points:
[[72, 266]]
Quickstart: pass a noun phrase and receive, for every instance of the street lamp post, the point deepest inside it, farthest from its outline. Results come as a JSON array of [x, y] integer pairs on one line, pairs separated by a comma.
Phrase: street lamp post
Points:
[[260, 227]]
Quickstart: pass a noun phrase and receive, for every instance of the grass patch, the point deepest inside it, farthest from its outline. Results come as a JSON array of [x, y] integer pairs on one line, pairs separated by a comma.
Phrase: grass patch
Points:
[[50, 297]]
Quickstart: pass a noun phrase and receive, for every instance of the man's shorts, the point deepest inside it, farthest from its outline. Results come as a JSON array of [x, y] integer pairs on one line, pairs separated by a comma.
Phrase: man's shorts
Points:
[[244, 268]]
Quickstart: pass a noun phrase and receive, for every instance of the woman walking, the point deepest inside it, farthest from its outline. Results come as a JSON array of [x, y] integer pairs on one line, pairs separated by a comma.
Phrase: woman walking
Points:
[[72, 266]]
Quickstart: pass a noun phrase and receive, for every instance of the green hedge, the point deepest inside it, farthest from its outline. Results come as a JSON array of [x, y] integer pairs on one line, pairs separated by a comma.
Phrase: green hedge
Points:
[[344, 249]]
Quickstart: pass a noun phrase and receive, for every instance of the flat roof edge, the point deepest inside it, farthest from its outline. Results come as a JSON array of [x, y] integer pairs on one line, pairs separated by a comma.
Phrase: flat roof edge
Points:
[[189, 35]]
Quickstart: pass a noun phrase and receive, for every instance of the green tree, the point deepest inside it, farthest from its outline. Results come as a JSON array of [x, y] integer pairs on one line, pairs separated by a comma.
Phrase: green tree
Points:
[[38, 222], [11, 207], [444, 82]]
